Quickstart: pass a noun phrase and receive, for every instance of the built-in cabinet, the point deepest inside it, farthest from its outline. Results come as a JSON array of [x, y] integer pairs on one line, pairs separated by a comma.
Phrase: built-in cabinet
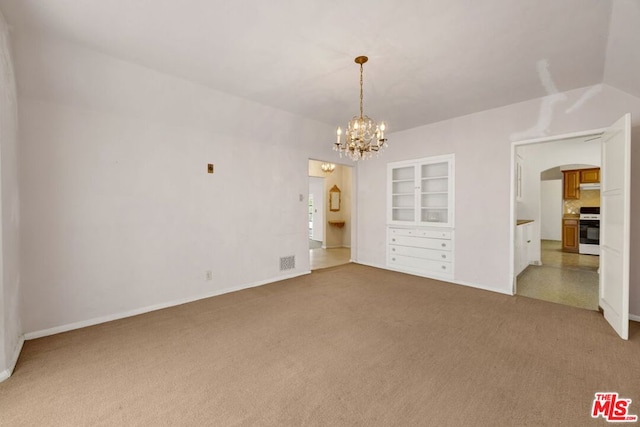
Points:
[[420, 216], [571, 184], [523, 244], [519, 178], [421, 192], [426, 252], [570, 235], [572, 179], [589, 176]]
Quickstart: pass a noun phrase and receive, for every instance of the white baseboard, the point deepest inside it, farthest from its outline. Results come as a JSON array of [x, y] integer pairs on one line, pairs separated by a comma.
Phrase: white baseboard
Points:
[[137, 311], [455, 282], [634, 317], [484, 288], [14, 360], [369, 264]]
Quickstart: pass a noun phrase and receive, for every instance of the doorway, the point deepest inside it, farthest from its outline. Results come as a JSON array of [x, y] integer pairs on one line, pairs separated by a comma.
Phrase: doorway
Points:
[[564, 275], [614, 145], [330, 218]]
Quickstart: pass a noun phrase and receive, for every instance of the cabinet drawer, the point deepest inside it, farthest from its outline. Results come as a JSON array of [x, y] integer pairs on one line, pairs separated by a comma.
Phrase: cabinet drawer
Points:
[[436, 267], [434, 234], [421, 242], [431, 254]]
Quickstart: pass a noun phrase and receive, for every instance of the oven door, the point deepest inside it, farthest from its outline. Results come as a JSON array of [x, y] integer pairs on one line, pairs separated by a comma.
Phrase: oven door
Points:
[[589, 231]]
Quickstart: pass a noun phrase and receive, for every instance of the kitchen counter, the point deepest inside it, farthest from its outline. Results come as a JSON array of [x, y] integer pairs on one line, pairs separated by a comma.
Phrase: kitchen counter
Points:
[[571, 216], [523, 221]]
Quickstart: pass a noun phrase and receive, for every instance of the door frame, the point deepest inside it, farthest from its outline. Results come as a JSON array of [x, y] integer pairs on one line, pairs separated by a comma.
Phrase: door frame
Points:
[[354, 206], [512, 198], [318, 200]]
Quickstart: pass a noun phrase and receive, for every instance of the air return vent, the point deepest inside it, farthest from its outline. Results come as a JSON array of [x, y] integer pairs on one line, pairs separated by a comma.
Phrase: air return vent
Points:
[[287, 263]]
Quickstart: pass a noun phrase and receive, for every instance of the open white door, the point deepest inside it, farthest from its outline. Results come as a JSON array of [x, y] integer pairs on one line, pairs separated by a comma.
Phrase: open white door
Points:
[[614, 225]]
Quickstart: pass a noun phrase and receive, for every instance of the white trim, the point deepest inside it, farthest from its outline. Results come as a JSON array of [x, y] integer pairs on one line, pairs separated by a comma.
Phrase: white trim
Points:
[[369, 264], [454, 282], [14, 360], [482, 287], [135, 312], [563, 136], [634, 317]]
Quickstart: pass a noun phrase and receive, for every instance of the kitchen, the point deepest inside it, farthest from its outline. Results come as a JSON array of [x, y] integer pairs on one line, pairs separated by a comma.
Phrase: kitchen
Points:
[[581, 211]]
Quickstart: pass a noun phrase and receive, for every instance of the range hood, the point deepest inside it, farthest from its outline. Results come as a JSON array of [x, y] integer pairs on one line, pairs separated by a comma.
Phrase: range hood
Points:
[[593, 186]]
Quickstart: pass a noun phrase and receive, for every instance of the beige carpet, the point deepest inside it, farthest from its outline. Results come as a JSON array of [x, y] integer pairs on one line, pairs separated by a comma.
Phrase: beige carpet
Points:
[[350, 345]]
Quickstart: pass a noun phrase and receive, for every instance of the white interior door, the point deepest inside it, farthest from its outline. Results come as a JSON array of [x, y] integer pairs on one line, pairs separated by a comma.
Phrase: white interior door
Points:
[[614, 225]]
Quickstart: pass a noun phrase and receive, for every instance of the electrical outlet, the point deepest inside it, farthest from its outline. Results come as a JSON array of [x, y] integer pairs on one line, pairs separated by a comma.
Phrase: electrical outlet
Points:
[[208, 275]]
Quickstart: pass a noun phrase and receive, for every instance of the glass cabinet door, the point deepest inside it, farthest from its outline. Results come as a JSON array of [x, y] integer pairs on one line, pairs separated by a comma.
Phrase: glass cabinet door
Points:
[[420, 192], [434, 193], [403, 194]]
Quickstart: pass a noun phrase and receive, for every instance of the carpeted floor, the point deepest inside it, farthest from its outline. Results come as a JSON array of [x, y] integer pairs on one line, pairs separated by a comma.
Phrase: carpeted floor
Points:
[[349, 345]]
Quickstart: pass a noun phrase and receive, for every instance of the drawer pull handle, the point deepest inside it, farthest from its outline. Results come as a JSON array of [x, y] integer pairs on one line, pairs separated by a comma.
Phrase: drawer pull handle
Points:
[[393, 259], [444, 267], [444, 256], [393, 249], [393, 240], [444, 245]]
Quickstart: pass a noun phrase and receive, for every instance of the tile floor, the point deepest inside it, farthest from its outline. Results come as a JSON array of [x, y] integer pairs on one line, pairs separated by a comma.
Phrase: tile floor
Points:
[[564, 278], [323, 258]]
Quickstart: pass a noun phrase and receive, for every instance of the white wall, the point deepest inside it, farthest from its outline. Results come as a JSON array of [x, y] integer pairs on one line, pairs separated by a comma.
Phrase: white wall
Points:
[[10, 325], [482, 144], [119, 213], [551, 210]]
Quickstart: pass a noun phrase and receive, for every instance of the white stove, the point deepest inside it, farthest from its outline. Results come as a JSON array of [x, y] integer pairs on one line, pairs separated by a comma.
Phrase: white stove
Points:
[[589, 231]]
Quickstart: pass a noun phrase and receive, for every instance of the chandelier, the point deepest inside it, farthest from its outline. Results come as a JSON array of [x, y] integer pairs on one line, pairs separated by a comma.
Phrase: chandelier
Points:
[[363, 136], [327, 167]]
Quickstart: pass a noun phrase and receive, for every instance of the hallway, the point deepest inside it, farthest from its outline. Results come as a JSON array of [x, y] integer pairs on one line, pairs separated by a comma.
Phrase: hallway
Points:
[[323, 258]]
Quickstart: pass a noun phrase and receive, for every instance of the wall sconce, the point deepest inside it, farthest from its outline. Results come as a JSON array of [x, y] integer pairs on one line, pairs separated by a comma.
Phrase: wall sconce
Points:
[[327, 167]]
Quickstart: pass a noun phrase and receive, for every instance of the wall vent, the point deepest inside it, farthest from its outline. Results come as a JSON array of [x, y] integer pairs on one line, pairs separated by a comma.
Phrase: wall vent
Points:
[[287, 263]]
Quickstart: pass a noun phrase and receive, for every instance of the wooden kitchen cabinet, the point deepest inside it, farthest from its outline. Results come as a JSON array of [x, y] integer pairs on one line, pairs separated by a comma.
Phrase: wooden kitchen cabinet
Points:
[[571, 184], [570, 235], [590, 176]]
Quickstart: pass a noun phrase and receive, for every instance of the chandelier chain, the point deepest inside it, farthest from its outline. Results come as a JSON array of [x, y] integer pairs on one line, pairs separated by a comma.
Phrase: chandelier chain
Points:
[[361, 96]]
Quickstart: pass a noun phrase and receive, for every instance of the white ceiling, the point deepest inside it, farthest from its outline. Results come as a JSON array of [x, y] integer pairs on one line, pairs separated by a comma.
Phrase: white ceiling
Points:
[[429, 59]]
